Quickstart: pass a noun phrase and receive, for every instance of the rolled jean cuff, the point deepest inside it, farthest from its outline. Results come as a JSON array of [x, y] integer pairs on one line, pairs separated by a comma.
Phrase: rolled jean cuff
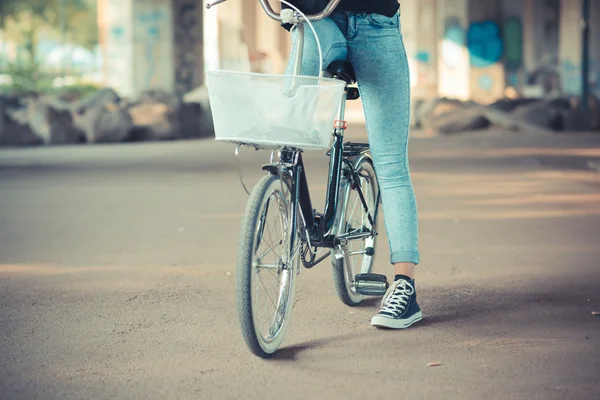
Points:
[[405, 257]]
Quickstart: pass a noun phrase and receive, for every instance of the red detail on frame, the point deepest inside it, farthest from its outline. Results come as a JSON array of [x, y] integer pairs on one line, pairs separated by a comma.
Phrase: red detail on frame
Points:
[[340, 124]]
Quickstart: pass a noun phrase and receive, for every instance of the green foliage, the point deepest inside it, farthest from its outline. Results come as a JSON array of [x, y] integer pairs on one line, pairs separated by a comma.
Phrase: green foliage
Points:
[[76, 18]]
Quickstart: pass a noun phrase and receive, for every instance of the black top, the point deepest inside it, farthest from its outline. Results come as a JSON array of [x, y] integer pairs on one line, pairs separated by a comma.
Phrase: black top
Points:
[[384, 7]]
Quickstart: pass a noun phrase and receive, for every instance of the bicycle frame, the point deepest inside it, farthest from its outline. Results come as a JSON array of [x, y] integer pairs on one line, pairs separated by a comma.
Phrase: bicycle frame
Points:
[[322, 230]]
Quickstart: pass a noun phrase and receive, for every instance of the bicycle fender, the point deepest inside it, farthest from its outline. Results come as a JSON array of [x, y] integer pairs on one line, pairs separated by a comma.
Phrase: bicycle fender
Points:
[[272, 169]]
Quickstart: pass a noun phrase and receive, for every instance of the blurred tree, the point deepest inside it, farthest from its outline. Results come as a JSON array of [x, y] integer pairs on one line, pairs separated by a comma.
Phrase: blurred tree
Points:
[[26, 22], [76, 17]]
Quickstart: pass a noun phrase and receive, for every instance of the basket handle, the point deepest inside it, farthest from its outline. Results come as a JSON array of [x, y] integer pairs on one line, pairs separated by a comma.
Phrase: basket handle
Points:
[[314, 33]]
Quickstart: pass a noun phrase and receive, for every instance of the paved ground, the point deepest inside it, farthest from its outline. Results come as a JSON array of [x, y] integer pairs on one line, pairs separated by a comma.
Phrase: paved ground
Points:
[[117, 271]]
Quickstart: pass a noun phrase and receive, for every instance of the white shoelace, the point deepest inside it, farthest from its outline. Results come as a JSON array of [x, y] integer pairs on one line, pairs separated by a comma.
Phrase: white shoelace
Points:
[[396, 297]]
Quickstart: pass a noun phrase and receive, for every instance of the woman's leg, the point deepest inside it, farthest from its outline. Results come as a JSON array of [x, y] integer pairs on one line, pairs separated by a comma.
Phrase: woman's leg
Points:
[[379, 59], [333, 46]]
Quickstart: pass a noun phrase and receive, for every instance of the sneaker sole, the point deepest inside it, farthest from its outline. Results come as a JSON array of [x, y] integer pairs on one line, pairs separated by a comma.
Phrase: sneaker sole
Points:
[[386, 322]]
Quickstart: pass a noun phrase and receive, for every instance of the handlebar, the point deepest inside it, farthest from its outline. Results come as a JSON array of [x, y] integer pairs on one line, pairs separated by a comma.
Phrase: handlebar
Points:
[[329, 8]]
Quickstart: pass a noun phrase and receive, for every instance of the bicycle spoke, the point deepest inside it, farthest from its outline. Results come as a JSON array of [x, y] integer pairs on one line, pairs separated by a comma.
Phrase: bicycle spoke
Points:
[[263, 285]]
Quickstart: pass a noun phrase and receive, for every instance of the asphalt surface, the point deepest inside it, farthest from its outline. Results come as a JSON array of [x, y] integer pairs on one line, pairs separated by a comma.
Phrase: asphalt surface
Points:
[[117, 278]]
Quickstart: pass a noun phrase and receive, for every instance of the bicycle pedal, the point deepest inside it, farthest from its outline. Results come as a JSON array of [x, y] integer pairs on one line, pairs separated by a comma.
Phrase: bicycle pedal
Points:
[[371, 284]]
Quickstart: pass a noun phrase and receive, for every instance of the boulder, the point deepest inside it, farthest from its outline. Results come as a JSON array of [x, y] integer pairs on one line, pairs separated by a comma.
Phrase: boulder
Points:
[[102, 118], [429, 110], [508, 105], [195, 116], [106, 123], [576, 120], [152, 120], [62, 127], [100, 98], [49, 122], [15, 131], [547, 114], [464, 120], [160, 96]]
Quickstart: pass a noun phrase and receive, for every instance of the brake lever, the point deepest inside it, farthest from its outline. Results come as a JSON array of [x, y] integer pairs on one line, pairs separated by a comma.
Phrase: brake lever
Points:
[[209, 5]]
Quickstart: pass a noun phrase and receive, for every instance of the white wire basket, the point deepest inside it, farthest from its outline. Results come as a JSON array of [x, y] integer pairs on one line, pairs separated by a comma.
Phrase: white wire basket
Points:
[[274, 111]]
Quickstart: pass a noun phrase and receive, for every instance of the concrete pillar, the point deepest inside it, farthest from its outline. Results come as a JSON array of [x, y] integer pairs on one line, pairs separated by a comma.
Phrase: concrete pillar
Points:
[[269, 36], [453, 64], [137, 39], [233, 51], [188, 64], [570, 46], [513, 15], [530, 34], [540, 47], [420, 35], [115, 24], [410, 34], [595, 48], [268, 43], [211, 39]]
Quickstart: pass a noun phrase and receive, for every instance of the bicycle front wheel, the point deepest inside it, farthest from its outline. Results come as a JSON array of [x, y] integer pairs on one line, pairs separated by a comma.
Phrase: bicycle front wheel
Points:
[[267, 267]]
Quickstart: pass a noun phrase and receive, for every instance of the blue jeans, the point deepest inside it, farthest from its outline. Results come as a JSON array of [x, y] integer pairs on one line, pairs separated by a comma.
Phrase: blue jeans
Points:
[[373, 44]]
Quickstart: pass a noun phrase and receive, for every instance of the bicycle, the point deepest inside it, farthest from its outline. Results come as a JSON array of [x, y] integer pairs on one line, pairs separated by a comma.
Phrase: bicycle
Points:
[[280, 203]]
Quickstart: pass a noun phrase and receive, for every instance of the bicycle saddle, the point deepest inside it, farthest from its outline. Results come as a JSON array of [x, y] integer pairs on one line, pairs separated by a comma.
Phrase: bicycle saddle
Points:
[[343, 70]]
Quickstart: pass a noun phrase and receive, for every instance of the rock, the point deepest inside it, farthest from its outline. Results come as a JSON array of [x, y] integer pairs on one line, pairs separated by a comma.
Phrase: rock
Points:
[[560, 103], [449, 116], [105, 124], [102, 117], [51, 123], [539, 114], [62, 128], [160, 96], [96, 100], [195, 116], [430, 110], [509, 122], [12, 131], [153, 121], [546, 113], [460, 121], [508, 105], [113, 125], [576, 121]]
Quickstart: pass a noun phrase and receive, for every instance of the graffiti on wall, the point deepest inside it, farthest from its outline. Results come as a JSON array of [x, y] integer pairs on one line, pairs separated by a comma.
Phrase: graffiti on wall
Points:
[[116, 30], [484, 43], [151, 24], [513, 43], [423, 56], [188, 45], [454, 42]]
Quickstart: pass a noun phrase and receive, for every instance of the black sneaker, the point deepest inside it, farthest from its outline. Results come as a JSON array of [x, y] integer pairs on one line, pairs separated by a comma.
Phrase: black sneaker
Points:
[[399, 307]]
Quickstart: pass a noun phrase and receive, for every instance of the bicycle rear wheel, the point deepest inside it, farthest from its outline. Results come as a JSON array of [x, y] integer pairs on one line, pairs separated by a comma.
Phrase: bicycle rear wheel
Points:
[[357, 257], [266, 269]]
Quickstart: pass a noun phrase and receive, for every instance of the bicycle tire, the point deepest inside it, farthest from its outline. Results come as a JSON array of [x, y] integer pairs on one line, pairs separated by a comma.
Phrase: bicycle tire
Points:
[[257, 209]]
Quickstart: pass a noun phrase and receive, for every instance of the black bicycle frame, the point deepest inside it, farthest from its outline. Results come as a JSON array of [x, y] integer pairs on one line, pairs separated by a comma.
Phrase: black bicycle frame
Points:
[[333, 185], [300, 194]]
